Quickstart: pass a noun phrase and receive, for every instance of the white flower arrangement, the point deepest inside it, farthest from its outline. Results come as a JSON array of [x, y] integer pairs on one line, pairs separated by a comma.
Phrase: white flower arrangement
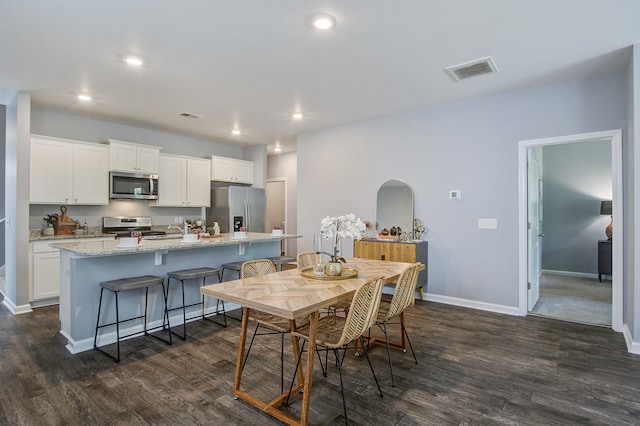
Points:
[[337, 227]]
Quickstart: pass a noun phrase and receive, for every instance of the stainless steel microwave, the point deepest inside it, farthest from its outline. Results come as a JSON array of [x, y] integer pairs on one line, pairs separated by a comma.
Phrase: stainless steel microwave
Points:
[[140, 186]]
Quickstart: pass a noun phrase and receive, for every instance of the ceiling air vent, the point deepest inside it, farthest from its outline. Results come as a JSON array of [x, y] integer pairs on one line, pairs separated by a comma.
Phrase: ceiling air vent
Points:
[[189, 115], [472, 69]]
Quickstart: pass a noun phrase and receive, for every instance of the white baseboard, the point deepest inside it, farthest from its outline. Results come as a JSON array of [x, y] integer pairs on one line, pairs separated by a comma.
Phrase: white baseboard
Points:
[[632, 347], [569, 273], [16, 310], [465, 303], [106, 338]]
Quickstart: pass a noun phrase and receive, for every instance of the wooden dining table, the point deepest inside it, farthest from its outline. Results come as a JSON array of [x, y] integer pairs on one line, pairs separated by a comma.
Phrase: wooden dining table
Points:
[[292, 294]]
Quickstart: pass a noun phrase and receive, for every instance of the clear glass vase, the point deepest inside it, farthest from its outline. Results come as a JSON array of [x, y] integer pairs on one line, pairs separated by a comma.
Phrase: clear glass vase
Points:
[[318, 264]]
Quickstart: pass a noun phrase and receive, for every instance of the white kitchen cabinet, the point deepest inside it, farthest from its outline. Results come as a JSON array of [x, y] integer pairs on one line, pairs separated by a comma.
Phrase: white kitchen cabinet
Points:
[[45, 270], [131, 157], [198, 182], [68, 172], [226, 169], [183, 182]]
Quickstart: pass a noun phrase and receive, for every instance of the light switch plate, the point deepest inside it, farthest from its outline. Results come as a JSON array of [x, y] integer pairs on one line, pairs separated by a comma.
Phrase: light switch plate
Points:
[[455, 194], [488, 223]]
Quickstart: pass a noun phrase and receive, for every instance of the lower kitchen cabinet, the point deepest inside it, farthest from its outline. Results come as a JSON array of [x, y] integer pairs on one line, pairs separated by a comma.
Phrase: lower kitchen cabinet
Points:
[[44, 277]]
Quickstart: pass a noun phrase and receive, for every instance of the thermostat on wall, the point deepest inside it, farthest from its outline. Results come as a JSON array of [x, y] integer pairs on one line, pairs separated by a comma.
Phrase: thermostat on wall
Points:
[[455, 194]]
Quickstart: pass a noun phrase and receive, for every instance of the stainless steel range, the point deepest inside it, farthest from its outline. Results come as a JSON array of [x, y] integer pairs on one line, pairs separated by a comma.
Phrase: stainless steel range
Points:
[[122, 226]]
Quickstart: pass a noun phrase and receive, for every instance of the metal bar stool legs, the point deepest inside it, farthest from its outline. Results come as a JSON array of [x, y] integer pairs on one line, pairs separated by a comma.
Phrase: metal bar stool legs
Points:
[[189, 274], [125, 284]]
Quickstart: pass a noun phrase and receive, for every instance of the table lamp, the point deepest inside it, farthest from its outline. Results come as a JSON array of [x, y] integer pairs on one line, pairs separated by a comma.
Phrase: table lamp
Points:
[[606, 209]]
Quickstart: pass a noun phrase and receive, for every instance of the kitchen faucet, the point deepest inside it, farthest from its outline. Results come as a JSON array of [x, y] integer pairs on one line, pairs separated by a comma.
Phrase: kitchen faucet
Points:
[[177, 227]]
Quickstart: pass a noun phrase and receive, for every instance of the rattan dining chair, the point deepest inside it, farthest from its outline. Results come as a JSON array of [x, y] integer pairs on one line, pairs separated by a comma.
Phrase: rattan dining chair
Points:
[[337, 332], [392, 311], [306, 259], [273, 323]]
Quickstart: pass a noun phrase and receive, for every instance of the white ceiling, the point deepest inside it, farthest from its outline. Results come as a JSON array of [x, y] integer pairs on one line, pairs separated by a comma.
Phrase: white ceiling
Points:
[[251, 63]]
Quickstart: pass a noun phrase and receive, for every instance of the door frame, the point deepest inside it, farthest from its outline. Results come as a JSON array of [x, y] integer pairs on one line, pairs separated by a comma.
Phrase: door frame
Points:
[[615, 138], [284, 245]]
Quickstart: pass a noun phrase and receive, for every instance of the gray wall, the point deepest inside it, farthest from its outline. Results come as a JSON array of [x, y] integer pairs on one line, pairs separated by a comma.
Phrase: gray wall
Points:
[[577, 177], [469, 145], [3, 147], [17, 203], [631, 158]]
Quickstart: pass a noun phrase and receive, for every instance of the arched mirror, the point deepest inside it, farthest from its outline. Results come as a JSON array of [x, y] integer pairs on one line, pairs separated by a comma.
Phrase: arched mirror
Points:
[[394, 206]]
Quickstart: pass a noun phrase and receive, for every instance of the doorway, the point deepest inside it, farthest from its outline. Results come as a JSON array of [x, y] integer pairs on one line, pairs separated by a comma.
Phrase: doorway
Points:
[[276, 193], [529, 265]]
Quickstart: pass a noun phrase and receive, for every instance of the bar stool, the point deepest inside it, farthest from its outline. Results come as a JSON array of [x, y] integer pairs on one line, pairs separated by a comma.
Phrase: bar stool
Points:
[[192, 274], [126, 284], [280, 260], [233, 266]]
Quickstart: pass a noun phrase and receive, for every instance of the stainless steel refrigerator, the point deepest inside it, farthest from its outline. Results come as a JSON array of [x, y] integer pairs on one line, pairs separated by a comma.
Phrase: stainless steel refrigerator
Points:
[[238, 206]]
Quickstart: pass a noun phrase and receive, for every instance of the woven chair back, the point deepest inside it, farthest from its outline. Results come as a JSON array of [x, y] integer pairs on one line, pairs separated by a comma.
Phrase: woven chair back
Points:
[[254, 268], [306, 259], [404, 291], [363, 311]]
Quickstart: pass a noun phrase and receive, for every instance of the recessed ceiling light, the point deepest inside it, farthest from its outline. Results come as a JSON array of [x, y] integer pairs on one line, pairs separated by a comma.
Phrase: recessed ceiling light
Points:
[[84, 97], [297, 116], [235, 132], [321, 21], [136, 62]]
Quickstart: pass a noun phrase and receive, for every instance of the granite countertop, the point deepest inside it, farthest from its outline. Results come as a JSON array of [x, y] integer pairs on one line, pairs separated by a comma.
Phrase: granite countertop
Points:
[[107, 248], [36, 235], [94, 232]]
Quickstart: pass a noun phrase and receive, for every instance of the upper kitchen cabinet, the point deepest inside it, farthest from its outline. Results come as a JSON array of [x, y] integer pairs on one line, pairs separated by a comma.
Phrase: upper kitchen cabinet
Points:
[[183, 182], [226, 169], [68, 172], [133, 157]]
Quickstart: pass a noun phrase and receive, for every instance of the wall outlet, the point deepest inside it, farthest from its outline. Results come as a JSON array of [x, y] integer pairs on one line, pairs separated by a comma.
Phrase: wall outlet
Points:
[[488, 223], [455, 194]]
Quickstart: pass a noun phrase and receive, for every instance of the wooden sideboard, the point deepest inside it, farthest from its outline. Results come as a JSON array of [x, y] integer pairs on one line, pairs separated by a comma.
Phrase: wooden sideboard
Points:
[[396, 251]]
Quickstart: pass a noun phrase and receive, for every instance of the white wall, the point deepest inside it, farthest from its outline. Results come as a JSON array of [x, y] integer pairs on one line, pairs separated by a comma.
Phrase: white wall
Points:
[[285, 166], [469, 146]]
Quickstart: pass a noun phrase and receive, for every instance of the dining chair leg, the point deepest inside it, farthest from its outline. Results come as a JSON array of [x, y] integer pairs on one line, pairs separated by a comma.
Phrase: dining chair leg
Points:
[[386, 340], [322, 366], [371, 367], [344, 403], [404, 330]]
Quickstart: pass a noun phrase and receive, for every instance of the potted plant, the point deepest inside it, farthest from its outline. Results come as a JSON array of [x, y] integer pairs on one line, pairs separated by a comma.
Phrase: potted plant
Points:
[[50, 220], [335, 228]]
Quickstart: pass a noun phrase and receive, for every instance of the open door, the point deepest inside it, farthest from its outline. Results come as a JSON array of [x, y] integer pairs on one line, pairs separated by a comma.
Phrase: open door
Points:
[[534, 225]]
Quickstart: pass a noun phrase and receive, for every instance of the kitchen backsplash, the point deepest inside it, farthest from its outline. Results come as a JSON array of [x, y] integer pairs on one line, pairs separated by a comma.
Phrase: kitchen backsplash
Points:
[[94, 214]]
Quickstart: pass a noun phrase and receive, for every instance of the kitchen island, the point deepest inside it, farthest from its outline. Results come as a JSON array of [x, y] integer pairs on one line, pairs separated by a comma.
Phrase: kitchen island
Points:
[[83, 265]]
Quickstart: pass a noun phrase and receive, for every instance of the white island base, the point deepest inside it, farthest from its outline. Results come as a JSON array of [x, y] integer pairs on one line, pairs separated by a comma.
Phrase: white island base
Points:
[[84, 265]]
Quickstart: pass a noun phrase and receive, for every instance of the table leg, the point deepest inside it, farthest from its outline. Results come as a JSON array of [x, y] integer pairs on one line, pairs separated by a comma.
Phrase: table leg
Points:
[[241, 346], [306, 397], [296, 353]]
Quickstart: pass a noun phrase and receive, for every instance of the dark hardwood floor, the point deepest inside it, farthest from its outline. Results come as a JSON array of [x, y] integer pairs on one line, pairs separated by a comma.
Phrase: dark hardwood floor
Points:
[[474, 368]]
